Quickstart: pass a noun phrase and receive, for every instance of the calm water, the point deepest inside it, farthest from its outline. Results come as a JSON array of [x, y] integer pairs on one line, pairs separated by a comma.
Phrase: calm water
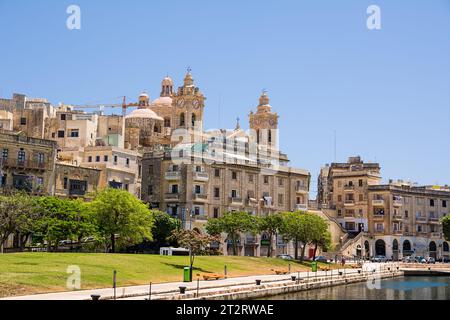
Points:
[[403, 288]]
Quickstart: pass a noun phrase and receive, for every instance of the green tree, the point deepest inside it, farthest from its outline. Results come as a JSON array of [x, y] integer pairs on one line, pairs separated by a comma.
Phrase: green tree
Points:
[[233, 224], [303, 227], [446, 227], [323, 242], [163, 227], [271, 225], [15, 210], [62, 219], [119, 214]]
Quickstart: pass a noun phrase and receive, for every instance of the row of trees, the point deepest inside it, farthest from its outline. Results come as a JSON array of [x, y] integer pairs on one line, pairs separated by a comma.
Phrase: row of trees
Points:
[[300, 227], [114, 217]]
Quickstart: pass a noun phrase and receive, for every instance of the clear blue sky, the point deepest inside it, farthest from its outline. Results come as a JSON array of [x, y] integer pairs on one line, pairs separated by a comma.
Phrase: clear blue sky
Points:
[[386, 92]]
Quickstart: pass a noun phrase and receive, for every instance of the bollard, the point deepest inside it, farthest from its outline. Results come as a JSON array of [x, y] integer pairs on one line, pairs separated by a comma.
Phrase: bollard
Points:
[[150, 292], [115, 283], [182, 290], [225, 271], [258, 282], [289, 267], [95, 297]]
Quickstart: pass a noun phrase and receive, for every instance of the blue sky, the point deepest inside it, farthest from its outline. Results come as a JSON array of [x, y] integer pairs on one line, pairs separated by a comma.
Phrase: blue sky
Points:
[[385, 92]]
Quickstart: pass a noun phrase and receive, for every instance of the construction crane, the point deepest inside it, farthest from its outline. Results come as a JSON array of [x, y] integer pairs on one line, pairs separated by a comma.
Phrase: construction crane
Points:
[[124, 105]]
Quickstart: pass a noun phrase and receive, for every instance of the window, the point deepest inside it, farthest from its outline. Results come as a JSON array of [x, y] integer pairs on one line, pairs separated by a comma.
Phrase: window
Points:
[[150, 190], [126, 186], [167, 122], [350, 183], [217, 173], [174, 188], [53, 135], [233, 193], [339, 184], [361, 212], [65, 182], [216, 212], [74, 133], [60, 133], [23, 121], [198, 169], [115, 159], [280, 182], [21, 156], [339, 198], [444, 203], [233, 175], [198, 189], [182, 119], [39, 181], [379, 227], [360, 182], [280, 199], [150, 170], [97, 158], [197, 211], [63, 117], [431, 202], [5, 154], [90, 159], [406, 213], [250, 177], [40, 158], [127, 163], [216, 192], [361, 197], [266, 179], [3, 180]]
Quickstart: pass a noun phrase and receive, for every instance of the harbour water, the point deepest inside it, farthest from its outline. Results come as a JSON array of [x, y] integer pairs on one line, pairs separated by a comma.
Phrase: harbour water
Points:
[[402, 288]]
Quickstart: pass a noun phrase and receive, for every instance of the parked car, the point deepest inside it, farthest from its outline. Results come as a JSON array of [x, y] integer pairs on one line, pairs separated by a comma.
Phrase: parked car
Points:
[[65, 242], [321, 259], [409, 259], [420, 259], [285, 257], [379, 258], [88, 239], [431, 260]]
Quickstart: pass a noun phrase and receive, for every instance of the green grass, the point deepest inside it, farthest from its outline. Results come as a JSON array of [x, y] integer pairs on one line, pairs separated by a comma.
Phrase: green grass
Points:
[[29, 273]]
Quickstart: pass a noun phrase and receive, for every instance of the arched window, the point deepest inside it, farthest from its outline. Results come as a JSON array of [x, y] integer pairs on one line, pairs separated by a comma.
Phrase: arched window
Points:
[[269, 136], [21, 156], [193, 119], [182, 119], [157, 128], [445, 246]]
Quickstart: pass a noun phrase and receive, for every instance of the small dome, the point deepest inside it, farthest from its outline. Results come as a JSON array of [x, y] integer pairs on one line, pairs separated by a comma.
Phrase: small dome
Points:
[[143, 113], [162, 102], [144, 95], [167, 81]]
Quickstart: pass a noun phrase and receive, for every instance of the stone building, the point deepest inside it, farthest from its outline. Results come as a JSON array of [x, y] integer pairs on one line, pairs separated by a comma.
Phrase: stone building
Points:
[[27, 163], [342, 192], [75, 181]]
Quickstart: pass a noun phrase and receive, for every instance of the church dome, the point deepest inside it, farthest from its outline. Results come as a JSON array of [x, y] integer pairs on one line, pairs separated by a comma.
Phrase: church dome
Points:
[[162, 102], [167, 81], [143, 114]]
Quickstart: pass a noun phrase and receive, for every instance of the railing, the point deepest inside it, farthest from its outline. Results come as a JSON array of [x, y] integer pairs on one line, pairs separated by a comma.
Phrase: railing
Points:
[[378, 202], [378, 216], [172, 196], [436, 234], [200, 196], [201, 176], [397, 203], [299, 188], [173, 175], [349, 187], [433, 219], [349, 202], [25, 164], [397, 217], [421, 219], [236, 200]]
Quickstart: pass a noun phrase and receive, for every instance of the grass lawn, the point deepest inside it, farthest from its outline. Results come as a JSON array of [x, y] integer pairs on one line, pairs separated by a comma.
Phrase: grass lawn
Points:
[[29, 273]]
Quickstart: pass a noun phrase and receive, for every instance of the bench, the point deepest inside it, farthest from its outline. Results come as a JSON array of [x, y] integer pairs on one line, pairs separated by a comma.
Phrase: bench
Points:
[[279, 271], [213, 276], [324, 269]]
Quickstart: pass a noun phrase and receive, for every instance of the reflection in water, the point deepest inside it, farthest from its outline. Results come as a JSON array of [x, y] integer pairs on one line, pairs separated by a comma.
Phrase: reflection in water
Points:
[[403, 288]]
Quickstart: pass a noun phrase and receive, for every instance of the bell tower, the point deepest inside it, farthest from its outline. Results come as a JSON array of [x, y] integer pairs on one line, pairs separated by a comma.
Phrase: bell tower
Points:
[[187, 105], [265, 123]]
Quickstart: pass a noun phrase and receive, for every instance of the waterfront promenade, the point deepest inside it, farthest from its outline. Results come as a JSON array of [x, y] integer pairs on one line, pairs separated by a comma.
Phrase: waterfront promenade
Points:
[[231, 288]]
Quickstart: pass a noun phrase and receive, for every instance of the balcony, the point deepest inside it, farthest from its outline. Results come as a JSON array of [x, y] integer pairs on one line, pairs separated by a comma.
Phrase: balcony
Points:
[[173, 175], [397, 203], [378, 202], [301, 189], [397, 232], [397, 217], [435, 235], [172, 196], [200, 176], [349, 215], [301, 207], [421, 219], [349, 187], [378, 217], [199, 197], [236, 201], [433, 220], [24, 164], [349, 203]]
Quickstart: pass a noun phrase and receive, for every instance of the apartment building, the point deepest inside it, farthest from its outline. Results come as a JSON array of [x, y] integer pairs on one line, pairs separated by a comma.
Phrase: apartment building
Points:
[[75, 182], [342, 192], [27, 163]]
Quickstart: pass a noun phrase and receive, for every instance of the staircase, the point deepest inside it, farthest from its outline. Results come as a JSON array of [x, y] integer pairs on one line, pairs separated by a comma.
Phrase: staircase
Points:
[[349, 240]]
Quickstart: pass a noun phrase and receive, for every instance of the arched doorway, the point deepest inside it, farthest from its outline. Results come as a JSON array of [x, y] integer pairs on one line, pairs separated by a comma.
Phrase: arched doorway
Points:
[[380, 248], [407, 248], [367, 249], [432, 249], [445, 247], [358, 251], [395, 250]]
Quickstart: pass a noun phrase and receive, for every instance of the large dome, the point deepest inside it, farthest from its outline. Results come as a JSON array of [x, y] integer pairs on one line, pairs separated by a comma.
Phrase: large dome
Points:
[[162, 102], [143, 113]]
